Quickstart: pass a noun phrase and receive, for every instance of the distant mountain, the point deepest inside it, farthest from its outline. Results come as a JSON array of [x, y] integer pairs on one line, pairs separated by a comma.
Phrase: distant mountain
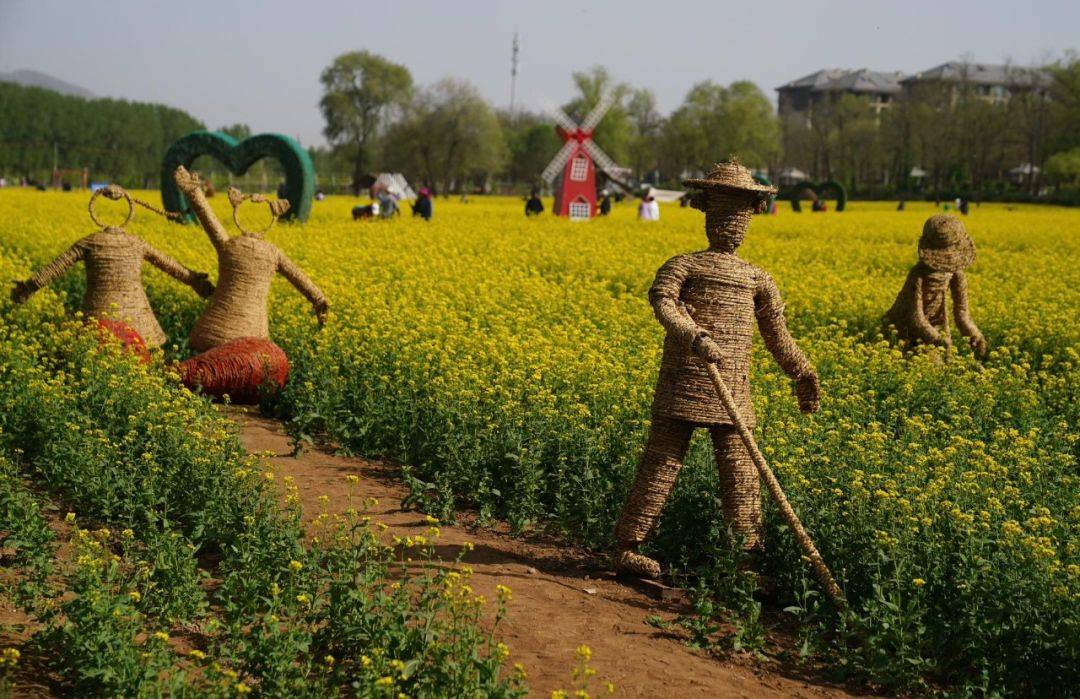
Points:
[[33, 78]]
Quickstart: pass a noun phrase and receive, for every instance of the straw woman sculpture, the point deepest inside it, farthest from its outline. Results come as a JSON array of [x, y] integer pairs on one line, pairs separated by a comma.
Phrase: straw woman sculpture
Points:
[[233, 332], [709, 302], [919, 313], [114, 290]]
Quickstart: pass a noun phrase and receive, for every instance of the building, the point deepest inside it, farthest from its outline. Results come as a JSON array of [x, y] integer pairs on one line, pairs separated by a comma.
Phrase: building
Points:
[[798, 96], [993, 83]]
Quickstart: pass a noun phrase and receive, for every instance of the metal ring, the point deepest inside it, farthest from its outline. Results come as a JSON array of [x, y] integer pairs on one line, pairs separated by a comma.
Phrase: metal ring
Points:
[[127, 198], [236, 219]]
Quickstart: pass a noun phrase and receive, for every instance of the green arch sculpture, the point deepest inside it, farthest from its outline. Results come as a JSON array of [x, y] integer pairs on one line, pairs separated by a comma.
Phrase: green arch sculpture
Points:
[[238, 157], [820, 189]]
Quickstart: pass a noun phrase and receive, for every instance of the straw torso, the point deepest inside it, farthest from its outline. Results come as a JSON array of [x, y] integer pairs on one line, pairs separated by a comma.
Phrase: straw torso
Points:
[[114, 287], [928, 287], [246, 267], [717, 290]]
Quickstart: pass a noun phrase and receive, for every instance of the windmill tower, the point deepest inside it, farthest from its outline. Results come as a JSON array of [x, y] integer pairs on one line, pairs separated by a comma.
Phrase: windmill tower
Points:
[[577, 160]]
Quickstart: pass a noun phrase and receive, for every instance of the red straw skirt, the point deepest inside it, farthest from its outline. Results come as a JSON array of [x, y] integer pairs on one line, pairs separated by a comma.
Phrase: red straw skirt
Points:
[[243, 369], [130, 339]]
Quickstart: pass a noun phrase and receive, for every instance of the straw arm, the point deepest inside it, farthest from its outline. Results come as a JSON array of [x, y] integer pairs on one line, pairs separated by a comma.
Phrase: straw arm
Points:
[[821, 571], [49, 273], [291, 271], [917, 318], [668, 308], [196, 280], [192, 188], [769, 308], [964, 323]]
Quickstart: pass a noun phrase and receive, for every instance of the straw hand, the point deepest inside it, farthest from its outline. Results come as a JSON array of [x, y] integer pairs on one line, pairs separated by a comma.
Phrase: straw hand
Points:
[[706, 348], [808, 391], [21, 291], [187, 181], [321, 309], [978, 345]]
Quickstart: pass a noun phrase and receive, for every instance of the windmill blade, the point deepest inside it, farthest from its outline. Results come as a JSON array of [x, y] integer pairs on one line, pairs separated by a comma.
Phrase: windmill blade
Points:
[[602, 159], [561, 118], [598, 111], [558, 161]]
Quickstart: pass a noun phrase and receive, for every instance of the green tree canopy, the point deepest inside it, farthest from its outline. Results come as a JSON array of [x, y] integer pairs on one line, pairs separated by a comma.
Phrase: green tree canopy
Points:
[[448, 137], [360, 91]]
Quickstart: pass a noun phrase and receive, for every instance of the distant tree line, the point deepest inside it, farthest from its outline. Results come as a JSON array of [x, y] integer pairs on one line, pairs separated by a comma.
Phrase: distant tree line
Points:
[[115, 140], [964, 144]]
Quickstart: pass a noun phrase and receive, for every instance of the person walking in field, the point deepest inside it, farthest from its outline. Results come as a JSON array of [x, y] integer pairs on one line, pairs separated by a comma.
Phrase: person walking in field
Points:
[[920, 314], [238, 357], [423, 206], [114, 289], [708, 302]]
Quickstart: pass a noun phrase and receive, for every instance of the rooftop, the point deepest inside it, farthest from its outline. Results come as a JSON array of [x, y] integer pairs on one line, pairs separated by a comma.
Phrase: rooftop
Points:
[[841, 80], [982, 74]]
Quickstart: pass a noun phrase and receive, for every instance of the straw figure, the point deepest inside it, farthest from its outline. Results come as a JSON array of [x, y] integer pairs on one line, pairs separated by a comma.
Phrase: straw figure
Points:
[[919, 313], [233, 332], [114, 291], [708, 303]]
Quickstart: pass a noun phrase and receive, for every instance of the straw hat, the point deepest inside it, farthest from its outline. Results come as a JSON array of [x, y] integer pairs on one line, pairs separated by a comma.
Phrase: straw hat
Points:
[[945, 246], [730, 175]]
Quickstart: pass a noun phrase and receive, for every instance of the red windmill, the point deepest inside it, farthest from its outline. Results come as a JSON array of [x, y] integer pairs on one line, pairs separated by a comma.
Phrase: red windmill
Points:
[[575, 195]]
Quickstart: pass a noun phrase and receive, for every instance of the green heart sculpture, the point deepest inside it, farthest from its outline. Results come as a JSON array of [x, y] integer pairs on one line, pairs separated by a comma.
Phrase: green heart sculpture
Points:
[[238, 157], [821, 189]]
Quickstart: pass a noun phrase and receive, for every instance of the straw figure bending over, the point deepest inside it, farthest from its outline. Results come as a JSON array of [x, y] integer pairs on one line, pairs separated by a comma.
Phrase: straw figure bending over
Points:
[[233, 334], [708, 302], [114, 295], [919, 314]]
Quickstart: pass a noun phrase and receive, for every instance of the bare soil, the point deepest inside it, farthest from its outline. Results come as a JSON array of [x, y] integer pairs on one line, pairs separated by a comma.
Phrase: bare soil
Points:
[[562, 597]]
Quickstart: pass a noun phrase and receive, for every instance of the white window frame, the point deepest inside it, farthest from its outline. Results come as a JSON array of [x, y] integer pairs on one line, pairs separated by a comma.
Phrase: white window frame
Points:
[[579, 168], [579, 210]]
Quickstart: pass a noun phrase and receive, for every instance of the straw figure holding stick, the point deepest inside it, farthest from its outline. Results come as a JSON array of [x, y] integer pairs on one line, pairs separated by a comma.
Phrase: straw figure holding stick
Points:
[[238, 357], [708, 302], [114, 295], [920, 314]]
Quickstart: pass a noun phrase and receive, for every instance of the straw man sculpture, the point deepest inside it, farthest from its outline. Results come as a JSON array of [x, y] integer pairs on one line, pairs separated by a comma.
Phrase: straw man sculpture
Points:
[[233, 332], [708, 302], [114, 290], [919, 313]]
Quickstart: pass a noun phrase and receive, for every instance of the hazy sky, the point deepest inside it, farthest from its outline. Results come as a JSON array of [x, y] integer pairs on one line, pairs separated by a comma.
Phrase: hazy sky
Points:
[[259, 62]]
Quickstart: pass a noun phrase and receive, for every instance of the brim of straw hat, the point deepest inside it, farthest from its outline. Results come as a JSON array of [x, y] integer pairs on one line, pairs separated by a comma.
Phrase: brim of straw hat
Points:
[[951, 259], [725, 184]]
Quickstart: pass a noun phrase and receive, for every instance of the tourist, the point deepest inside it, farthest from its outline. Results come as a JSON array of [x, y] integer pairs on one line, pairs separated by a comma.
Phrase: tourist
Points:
[[649, 209], [423, 205], [388, 207], [533, 205], [605, 203]]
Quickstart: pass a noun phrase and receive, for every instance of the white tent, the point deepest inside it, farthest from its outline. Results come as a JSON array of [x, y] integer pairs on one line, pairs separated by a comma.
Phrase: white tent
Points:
[[395, 183]]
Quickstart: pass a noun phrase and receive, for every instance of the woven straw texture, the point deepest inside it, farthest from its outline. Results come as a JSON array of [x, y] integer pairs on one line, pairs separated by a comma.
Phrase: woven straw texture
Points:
[[242, 369], [945, 245], [920, 312], [113, 260], [246, 267], [715, 294], [709, 302], [740, 489]]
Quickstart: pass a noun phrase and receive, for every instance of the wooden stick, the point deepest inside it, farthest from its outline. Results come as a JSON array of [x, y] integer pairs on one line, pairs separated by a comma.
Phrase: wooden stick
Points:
[[822, 572]]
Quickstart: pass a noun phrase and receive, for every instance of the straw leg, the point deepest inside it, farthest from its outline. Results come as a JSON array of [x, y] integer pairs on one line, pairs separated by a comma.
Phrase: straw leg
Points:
[[821, 571], [660, 463], [740, 486]]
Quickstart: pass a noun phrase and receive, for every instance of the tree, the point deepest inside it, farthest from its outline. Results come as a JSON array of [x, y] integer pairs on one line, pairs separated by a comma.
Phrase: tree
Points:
[[449, 137], [1063, 168], [643, 149], [237, 131], [531, 143], [360, 90], [714, 122]]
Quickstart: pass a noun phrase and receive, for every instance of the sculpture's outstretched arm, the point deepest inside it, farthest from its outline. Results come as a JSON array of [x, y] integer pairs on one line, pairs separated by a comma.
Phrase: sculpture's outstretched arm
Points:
[[291, 271], [769, 309], [45, 276], [196, 280], [190, 184], [962, 314]]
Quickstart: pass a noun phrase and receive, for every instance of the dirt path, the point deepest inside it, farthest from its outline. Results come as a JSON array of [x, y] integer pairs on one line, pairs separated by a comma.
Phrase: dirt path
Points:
[[558, 602]]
